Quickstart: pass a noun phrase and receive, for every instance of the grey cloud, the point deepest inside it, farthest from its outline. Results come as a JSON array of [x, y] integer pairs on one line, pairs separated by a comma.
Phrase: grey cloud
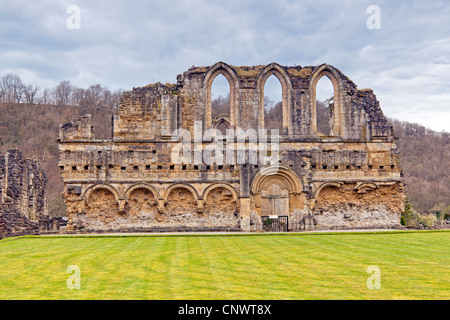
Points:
[[122, 44]]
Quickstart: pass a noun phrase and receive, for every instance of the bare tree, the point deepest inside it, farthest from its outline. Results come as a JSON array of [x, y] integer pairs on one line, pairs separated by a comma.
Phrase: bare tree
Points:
[[268, 104], [45, 97], [19, 90], [220, 106], [12, 88], [62, 93], [95, 93], [31, 94], [111, 99]]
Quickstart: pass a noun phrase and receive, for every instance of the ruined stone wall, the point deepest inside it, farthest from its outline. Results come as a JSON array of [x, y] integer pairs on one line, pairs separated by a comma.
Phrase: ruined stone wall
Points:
[[22, 195], [136, 181]]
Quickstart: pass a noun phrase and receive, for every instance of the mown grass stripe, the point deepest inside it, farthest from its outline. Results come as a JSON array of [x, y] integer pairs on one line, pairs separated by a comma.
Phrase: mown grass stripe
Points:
[[414, 265]]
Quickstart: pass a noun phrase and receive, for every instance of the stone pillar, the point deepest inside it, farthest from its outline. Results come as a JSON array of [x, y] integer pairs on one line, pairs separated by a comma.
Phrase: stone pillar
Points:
[[245, 214]]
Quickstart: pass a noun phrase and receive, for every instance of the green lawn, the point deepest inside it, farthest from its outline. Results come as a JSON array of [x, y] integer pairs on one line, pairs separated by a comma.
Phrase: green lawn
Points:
[[413, 265]]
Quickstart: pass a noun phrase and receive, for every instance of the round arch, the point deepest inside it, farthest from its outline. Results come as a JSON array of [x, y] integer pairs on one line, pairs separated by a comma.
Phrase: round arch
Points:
[[184, 186], [219, 185], [332, 74], [294, 183], [141, 186], [365, 186], [91, 189], [286, 86], [325, 185], [276, 190], [229, 73]]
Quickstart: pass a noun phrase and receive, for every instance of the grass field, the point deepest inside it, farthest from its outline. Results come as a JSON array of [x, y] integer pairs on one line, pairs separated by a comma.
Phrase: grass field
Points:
[[413, 265]]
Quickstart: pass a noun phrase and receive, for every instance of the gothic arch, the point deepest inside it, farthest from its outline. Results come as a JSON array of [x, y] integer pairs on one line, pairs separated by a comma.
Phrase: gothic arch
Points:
[[228, 72], [286, 87], [332, 74], [222, 123]]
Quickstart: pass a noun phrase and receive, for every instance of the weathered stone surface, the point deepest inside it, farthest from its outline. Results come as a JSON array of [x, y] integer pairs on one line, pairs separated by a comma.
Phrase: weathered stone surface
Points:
[[22, 196], [132, 182]]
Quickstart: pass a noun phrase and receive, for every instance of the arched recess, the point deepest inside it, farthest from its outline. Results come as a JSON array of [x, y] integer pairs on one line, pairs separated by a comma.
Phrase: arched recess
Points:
[[325, 185], [220, 185], [277, 190], [322, 192], [186, 186], [101, 205], [220, 202], [336, 127], [180, 198], [89, 191], [286, 88], [141, 200], [141, 186], [225, 70], [222, 125]]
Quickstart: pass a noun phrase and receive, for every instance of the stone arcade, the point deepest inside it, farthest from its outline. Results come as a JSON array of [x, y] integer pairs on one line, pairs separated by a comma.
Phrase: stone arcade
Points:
[[348, 179]]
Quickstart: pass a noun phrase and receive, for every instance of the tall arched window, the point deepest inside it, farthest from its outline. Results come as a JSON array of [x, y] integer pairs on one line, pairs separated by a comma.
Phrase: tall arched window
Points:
[[220, 99], [325, 87], [273, 104], [281, 75], [221, 71], [325, 107]]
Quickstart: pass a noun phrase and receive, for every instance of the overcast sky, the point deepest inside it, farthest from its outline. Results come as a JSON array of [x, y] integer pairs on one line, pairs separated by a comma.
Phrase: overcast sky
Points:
[[125, 44]]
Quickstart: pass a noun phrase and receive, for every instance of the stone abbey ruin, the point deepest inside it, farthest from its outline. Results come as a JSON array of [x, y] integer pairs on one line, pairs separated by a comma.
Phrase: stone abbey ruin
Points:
[[170, 165], [22, 196]]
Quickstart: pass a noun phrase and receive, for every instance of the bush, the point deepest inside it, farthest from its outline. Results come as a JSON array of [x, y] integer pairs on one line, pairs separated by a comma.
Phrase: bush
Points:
[[427, 220], [402, 221]]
